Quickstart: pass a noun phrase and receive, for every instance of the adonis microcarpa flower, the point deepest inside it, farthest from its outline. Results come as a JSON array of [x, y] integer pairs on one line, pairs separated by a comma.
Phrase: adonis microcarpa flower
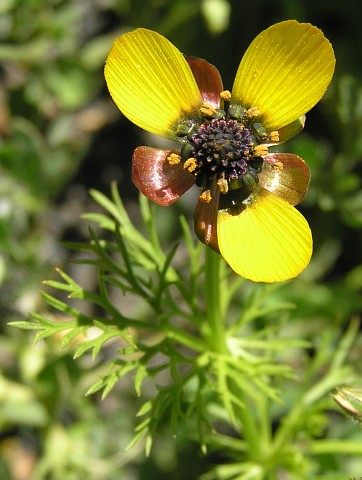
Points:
[[246, 206]]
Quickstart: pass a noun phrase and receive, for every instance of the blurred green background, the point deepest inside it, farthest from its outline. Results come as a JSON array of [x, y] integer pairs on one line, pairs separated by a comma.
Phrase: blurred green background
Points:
[[60, 135]]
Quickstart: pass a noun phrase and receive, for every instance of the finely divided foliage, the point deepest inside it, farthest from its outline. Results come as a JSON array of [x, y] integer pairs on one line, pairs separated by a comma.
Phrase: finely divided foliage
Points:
[[185, 356]]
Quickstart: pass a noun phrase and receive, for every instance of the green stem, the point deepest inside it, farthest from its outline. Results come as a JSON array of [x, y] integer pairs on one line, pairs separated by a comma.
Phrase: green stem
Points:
[[213, 292], [265, 433], [305, 401], [337, 447], [250, 430]]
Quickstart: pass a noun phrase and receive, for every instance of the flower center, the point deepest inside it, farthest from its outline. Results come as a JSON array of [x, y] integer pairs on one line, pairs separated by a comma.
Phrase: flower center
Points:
[[226, 149], [223, 149]]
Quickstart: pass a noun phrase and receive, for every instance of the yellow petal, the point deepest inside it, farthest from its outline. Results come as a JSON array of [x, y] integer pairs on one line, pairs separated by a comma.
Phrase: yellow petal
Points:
[[285, 72], [269, 241], [151, 82]]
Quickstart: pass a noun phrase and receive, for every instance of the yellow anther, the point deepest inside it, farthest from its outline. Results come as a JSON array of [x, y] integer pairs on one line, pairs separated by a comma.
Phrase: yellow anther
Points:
[[253, 112], [206, 196], [223, 185], [274, 136], [278, 166], [207, 110], [174, 159], [225, 95], [190, 165], [261, 150]]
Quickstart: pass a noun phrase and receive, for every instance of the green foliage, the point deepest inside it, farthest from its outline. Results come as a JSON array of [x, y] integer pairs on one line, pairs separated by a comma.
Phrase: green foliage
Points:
[[190, 367], [238, 375]]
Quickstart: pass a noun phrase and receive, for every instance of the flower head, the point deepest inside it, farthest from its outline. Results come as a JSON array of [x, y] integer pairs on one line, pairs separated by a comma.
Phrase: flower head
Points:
[[349, 398], [246, 206]]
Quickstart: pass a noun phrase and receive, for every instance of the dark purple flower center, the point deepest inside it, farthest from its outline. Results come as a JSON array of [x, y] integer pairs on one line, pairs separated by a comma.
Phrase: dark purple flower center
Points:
[[222, 149]]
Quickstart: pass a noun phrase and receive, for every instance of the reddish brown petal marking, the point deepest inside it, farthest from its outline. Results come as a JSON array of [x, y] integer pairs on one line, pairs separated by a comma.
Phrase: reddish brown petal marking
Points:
[[208, 80], [205, 219], [156, 178], [286, 175]]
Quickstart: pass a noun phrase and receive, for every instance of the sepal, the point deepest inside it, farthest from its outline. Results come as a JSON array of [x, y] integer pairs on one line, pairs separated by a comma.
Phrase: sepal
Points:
[[156, 178], [208, 80], [286, 175]]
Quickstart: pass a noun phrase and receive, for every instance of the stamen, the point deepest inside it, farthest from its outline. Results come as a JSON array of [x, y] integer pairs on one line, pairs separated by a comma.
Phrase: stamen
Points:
[[278, 166], [274, 136], [225, 95], [260, 132], [206, 196], [190, 165], [173, 159], [261, 150], [223, 185], [253, 112], [207, 110]]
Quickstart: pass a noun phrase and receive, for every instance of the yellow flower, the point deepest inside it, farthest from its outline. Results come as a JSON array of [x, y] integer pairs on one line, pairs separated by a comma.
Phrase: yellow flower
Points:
[[246, 207]]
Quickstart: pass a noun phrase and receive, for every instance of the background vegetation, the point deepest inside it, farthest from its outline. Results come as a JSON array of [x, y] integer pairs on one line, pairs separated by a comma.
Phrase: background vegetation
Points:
[[60, 135]]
